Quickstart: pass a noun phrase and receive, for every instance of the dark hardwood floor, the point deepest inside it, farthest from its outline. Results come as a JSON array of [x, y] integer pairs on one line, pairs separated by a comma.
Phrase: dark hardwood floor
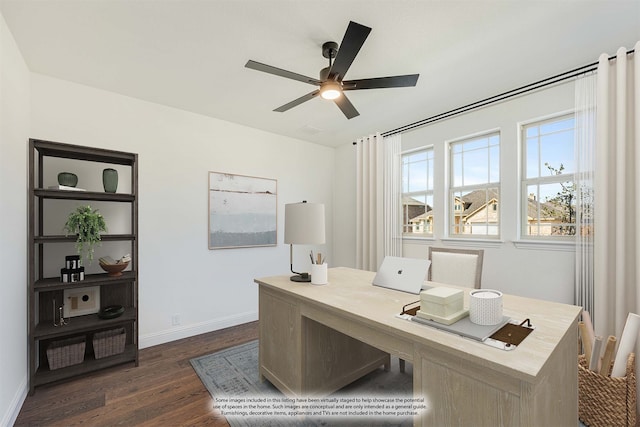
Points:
[[163, 390]]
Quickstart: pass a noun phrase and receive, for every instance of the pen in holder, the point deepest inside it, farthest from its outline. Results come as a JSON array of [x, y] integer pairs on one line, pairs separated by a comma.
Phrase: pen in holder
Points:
[[319, 275]]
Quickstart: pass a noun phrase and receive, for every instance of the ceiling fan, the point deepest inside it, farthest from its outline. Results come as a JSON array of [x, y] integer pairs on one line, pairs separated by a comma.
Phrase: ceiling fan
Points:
[[331, 81]]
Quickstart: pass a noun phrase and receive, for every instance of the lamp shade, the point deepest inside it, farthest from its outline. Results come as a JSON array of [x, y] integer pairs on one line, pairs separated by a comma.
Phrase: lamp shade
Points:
[[304, 223]]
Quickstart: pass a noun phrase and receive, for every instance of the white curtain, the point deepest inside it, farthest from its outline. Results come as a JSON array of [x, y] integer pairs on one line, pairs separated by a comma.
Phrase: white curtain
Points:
[[617, 193], [377, 205], [392, 195], [585, 137]]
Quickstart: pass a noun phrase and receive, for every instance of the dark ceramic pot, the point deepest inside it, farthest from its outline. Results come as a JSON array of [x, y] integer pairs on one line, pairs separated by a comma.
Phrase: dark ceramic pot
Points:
[[67, 178]]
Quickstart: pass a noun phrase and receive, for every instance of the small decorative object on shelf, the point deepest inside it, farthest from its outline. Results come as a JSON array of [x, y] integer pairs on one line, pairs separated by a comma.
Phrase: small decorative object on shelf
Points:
[[67, 179], [111, 312], [114, 268], [81, 301], [57, 314], [87, 224], [110, 180], [72, 272]]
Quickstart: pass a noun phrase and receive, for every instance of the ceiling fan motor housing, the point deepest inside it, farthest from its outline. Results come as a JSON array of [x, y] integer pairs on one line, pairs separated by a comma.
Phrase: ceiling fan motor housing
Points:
[[329, 49]]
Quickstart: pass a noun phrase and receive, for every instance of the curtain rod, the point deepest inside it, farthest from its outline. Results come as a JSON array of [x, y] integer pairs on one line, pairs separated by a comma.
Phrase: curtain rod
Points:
[[505, 95]]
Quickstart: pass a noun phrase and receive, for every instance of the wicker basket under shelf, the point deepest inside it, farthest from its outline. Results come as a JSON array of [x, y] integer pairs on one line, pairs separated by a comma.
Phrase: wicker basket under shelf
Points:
[[606, 401], [66, 352], [109, 343]]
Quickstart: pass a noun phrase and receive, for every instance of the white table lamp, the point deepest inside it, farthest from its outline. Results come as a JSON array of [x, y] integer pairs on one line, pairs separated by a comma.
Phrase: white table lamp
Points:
[[303, 225]]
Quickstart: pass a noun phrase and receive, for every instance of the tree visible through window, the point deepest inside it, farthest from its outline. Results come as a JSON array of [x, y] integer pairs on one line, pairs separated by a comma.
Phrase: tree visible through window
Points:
[[548, 186], [474, 194], [417, 193]]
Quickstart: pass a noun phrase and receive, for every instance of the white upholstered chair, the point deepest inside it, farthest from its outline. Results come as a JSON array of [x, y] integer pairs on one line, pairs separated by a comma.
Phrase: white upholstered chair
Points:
[[460, 267]]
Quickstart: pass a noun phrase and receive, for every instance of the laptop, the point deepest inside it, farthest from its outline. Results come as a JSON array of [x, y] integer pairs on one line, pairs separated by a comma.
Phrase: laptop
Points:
[[402, 274]]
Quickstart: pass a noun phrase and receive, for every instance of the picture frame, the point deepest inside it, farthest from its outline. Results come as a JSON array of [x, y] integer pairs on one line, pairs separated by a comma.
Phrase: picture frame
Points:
[[242, 211], [81, 301]]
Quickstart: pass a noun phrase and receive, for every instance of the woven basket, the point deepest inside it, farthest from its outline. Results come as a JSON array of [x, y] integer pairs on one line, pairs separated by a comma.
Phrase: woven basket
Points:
[[66, 352], [109, 343], [606, 401]]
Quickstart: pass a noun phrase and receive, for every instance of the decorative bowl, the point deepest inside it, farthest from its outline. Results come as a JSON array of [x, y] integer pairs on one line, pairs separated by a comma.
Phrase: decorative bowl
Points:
[[114, 270]]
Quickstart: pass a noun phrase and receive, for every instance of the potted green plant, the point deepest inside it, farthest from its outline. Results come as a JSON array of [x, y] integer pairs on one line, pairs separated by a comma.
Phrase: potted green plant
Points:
[[87, 224]]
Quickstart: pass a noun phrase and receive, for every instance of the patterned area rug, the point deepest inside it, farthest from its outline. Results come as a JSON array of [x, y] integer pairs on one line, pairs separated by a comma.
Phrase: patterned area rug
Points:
[[232, 378]]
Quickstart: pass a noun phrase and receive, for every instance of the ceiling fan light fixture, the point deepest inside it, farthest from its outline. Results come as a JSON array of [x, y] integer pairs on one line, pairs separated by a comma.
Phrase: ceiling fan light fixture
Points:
[[330, 90]]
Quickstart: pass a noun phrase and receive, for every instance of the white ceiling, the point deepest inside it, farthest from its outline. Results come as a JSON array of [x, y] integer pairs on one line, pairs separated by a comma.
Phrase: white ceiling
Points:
[[190, 54]]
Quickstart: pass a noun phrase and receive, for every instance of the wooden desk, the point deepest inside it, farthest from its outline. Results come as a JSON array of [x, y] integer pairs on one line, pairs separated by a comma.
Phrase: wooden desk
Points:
[[316, 339]]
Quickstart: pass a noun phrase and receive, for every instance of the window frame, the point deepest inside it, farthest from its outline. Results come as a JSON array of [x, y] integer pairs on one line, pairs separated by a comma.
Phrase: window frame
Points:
[[427, 193], [452, 191], [526, 182]]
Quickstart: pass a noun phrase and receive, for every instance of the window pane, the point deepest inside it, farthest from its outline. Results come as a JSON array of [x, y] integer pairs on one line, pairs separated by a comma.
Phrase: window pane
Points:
[[549, 167], [494, 164], [405, 176], [476, 167], [550, 209], [456, 170], [533, 158], [558, 125], [476, 212], [557, 151], [429, 185], [475, 163], [417, 177], [417, 188]]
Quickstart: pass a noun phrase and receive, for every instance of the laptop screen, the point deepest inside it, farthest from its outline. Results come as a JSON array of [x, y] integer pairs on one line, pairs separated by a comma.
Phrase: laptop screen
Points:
[[402, 274]]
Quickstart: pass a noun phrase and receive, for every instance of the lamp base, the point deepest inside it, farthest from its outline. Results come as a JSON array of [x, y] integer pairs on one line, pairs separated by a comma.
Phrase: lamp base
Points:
[[302, 277]]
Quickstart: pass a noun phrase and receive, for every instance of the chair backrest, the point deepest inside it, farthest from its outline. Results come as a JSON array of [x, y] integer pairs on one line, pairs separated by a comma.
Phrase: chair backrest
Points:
[[462, 267]]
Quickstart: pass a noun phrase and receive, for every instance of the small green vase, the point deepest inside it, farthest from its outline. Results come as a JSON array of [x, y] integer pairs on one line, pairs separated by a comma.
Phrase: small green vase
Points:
[[110, 180], [68, 179]]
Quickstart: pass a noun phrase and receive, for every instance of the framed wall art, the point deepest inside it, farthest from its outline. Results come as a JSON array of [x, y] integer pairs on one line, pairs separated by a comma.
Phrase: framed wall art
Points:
[[81, 301], [242, 211]]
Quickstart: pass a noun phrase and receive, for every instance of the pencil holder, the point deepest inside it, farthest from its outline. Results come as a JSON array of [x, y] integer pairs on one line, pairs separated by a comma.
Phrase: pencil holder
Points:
[[606, 401], [319, 274]]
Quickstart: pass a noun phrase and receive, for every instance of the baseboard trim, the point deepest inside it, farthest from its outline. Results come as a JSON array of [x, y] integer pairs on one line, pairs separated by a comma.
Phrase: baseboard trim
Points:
[[15, 406], [186, 331]]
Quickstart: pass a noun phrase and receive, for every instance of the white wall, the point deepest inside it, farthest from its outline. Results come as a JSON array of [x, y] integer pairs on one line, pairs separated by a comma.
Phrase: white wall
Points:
[[14, 132], [179, 275], [545, 272], [344, 200]]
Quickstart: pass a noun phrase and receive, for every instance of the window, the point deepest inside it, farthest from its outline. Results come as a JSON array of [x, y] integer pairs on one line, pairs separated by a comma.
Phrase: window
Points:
[[548, 188], [417, 193], [474, 186]]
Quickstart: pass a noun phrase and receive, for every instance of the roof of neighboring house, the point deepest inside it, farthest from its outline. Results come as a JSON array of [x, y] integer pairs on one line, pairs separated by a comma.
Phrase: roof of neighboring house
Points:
[[410, 201], [428, 214], [476, 200]]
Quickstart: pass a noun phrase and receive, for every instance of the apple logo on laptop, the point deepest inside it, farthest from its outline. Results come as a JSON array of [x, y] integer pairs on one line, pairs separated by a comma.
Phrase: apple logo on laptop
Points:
[[400, 271]]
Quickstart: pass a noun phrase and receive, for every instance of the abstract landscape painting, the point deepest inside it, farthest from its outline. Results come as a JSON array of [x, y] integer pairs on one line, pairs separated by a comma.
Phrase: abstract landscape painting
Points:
[[242, 211]]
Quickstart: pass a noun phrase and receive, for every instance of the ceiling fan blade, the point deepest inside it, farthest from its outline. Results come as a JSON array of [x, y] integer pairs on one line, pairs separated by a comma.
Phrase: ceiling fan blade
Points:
[[381, 82], [353, 40], [298, 101], [346, 106], [282, 73]]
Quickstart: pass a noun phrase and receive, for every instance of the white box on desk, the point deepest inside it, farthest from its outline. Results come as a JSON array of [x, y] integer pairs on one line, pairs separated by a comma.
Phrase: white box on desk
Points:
[[441, 301]]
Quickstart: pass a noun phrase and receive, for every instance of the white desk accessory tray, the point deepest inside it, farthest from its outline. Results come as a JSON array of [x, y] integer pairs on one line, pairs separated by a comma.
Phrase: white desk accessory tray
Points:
[[506, 335]]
